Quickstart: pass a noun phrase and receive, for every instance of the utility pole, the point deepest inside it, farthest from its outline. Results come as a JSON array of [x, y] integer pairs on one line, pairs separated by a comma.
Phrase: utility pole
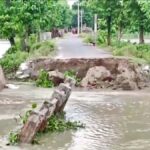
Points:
[[95, 27], [81, 21], [78, 17]]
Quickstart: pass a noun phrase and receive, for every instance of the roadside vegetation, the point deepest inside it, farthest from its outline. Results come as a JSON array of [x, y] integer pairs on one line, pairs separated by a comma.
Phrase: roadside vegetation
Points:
[[14, 57], [22, 22], [140, 53], [43, 80], [115, 19]]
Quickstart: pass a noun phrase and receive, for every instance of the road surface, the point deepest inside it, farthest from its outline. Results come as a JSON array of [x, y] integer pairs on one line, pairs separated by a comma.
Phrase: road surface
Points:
[[73, 47]]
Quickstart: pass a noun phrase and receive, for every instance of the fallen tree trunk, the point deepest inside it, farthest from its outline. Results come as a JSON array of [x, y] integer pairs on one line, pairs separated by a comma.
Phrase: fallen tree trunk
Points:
[[2, 79], [37, 121]]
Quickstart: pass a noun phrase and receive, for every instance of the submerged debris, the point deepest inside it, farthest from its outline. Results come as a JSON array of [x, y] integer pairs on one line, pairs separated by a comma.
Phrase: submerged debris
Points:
[[48, 118]]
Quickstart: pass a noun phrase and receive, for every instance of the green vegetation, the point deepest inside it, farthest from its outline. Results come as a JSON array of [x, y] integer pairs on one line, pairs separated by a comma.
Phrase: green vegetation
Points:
[[139, 52], [14, 57], [25, 117], [88, 38], [11, 61], [72, 74], [22, 19], [132, 50], [119, 16], [43, 80], [87, 14], [46, 48], [13, 138], [21, 22], [56, 123]]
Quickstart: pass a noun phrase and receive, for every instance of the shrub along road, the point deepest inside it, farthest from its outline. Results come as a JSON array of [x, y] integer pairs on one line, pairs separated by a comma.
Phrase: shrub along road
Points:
[[72, 47]]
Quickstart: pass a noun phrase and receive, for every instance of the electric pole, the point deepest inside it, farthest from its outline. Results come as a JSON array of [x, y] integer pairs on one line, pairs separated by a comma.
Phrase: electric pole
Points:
[[95, 27], [78, 17], [81, 21]]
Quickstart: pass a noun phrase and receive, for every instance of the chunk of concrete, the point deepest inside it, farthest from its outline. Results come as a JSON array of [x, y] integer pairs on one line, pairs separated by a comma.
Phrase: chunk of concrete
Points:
[[2, 79]]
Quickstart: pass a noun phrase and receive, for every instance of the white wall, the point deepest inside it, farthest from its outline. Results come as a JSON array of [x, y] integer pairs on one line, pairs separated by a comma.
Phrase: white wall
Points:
[[4, 46]]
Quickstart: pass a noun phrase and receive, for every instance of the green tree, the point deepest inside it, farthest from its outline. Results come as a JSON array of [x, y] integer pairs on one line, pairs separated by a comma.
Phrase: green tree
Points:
[[87, 14], [108, 10], [8, 28], [138, 10], [24, 17]]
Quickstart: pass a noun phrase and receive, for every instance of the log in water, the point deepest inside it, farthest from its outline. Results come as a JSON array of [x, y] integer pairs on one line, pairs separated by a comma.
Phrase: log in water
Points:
[[37, 121]]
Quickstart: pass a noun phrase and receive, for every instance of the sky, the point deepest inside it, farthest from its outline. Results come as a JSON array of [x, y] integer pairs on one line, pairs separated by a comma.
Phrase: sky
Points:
[[70, 2]]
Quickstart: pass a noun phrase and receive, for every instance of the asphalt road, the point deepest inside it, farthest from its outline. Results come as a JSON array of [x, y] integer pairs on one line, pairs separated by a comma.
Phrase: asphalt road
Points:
[[71, 46]]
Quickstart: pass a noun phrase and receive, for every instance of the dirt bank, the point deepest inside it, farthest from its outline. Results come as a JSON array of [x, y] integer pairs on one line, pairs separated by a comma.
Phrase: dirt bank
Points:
[[96, 73]]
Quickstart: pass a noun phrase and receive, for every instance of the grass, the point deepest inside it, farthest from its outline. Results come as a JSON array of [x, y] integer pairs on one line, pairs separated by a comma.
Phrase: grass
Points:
[[11, 61], [139, 53], [46, 49], [14, 57], [72, 74], [88, 38], [58, 123], [43, 80]]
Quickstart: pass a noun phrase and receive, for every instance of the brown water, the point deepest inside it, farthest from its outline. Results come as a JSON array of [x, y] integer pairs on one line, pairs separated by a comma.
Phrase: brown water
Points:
[[114, 120]]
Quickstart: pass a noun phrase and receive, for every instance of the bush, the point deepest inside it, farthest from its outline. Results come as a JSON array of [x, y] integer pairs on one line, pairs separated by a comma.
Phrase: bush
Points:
[[58, 123], [141, 51], [101, 37], [14, 57], [143, 47], [72, 74], [146, 56], [32, 39], [13, 138], [43, 80], [89, 39], [42, 49], [118, 44], [128, 50], [11, 61], [12, 49]]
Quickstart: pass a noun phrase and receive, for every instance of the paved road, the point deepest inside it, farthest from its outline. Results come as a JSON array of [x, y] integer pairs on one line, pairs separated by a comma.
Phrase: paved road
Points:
[[72, 47], [4, 46]]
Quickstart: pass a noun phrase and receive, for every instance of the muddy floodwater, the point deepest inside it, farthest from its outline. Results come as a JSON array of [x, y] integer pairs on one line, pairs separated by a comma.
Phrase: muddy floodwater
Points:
[[114, 120]]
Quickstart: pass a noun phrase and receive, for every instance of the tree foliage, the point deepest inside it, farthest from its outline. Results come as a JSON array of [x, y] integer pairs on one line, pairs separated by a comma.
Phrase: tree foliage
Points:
[[127, 15], [24, 17]]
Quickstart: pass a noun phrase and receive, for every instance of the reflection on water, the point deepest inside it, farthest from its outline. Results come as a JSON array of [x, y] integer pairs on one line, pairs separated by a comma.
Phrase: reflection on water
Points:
[[113, 122]]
